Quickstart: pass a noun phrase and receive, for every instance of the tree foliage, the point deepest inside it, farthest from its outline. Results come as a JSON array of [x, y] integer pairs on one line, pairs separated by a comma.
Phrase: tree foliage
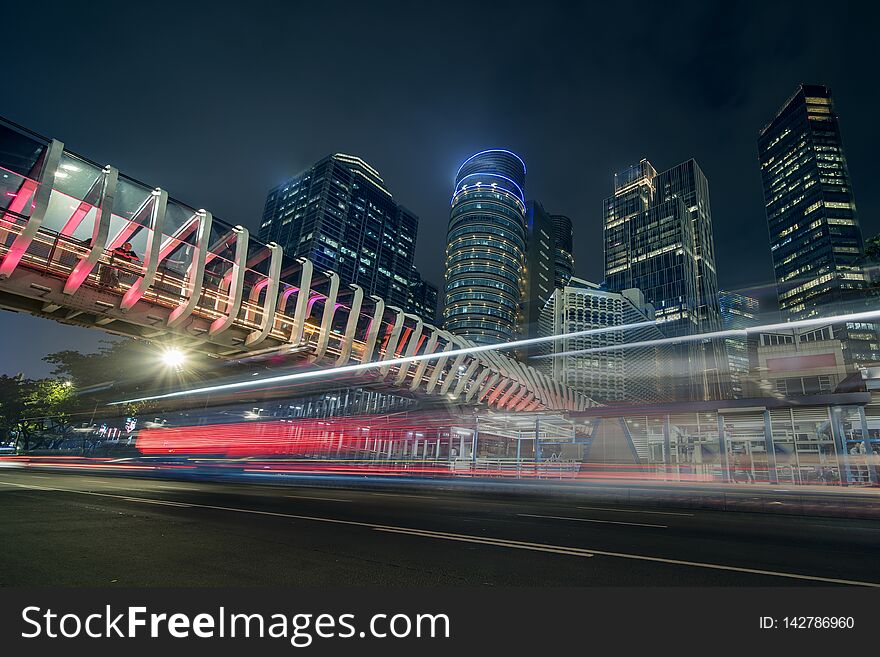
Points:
[[112, 361], [28, 406], [872, 249]]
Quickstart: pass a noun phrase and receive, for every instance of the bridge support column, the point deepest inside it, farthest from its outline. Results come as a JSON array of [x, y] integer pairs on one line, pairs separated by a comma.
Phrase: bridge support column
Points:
[[327, 315], [151, 256], [412, 345], [373, 331], [236, 283], [351, 325]]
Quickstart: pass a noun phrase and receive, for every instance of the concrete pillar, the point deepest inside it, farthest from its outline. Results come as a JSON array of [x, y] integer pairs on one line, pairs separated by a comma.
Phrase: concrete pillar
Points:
[[771, 450], [870, 459], [722, 450]]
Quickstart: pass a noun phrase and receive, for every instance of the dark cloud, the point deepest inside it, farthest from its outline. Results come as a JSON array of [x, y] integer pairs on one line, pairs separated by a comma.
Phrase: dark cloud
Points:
[[217, 102]]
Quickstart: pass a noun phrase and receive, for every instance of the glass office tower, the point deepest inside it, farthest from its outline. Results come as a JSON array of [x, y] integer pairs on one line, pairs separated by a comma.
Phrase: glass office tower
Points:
[[540, 274], [737, 312], [485, 248], [424, 301], [564, 251], [815, 238], [340, 215], [658, 238]]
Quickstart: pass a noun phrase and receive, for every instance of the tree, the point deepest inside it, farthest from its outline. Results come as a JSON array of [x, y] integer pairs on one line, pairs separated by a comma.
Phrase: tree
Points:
[[28, 406], [51, 402], [107, 364], [872, 249], [12, 405], [870, 263]]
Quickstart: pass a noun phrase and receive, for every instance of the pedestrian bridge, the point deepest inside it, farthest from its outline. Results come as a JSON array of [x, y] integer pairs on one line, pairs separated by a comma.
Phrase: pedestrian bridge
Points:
[[207, 285]]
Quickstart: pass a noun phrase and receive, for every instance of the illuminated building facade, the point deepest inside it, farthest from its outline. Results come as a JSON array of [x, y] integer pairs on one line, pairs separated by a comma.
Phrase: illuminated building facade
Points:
[[738, 311], [616, 375], [564, 249], [340, 215], [815, 238], [486, 248], [540, 274], [424, 301], [658, 238]]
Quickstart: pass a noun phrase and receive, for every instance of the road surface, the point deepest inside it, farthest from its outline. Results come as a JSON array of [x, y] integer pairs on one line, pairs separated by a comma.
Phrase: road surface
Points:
[[71, 529]]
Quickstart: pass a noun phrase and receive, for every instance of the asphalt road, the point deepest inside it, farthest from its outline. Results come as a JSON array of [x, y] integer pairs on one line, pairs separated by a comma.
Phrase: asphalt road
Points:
[[69, 529]]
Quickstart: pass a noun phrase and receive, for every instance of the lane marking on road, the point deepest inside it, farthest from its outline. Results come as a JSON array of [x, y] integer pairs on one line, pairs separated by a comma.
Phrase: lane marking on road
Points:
[[418, 497], [604, 522], [499, 542], [325, 499], [440, 535], [656, 513], [146, 500]]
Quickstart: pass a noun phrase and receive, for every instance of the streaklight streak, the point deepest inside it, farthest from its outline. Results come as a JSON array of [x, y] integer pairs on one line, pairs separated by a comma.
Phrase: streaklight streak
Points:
[[360, 367], [729, 333]]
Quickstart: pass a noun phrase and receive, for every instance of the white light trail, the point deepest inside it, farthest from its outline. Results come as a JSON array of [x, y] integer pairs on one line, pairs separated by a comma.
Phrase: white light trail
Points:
[[729, 333], [360, 367]]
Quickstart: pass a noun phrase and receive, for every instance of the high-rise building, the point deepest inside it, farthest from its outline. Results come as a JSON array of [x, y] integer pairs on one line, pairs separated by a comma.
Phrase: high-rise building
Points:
[[593, 363], [340, 215], [424, 301], [564, 249], [815, 238], [540, 276], [486, 248], [658, 238], [737, 312]]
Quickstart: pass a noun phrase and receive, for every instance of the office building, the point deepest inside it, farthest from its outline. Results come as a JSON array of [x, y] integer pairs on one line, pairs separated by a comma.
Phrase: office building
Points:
[[738, 311], [424, 301], [564, 249], [486, 248], [815, 238], [340, 215], [658, 239], [540, 275], [594, 363]]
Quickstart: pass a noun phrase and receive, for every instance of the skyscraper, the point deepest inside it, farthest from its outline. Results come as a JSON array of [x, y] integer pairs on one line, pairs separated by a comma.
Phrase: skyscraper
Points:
[[540, 273], [658, 238], [424, 301], [564, 249], [815, 238], [340, 215], [485, 248], [737, 312]]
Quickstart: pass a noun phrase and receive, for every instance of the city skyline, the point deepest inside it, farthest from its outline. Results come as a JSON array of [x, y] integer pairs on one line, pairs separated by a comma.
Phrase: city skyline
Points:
[[418, 144], [365, 318]]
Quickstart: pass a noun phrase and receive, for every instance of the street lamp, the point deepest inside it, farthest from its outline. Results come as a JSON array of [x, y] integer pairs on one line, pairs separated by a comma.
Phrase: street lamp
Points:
[[173, 358]]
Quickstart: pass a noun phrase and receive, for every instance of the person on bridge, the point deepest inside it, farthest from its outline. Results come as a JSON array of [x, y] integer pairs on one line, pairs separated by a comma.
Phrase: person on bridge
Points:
[[109, 275], [126, 253]]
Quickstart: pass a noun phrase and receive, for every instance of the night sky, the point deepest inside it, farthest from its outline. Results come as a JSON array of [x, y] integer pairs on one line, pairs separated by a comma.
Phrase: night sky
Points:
[[218, 102]]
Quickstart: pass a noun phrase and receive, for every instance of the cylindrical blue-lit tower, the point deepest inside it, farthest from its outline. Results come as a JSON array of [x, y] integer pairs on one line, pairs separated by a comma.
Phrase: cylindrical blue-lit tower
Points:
[[485, 248]]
